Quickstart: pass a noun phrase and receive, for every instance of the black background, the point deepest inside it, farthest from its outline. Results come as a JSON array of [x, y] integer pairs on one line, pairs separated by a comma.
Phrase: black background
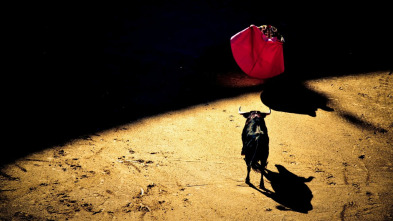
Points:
[[77, 69]]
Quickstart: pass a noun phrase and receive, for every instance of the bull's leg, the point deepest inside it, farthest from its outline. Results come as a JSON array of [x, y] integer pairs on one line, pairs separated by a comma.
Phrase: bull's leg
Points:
[[248, 174], [248, 170], [262, 184], [263, 161]]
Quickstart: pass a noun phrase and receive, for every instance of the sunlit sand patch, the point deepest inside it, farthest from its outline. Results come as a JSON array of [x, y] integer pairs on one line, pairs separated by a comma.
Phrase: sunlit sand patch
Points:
[[184, 163]]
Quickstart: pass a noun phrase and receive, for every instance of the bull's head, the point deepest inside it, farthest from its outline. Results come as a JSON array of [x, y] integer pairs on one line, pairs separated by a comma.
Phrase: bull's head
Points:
[[253, 114]]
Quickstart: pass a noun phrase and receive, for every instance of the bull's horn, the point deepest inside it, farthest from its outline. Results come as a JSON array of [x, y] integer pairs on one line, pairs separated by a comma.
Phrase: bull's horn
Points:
[[270, 111], [240, 112]]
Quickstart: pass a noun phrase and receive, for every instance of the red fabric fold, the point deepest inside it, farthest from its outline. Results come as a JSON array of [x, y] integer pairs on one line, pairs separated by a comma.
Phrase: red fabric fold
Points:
[[255, 56]]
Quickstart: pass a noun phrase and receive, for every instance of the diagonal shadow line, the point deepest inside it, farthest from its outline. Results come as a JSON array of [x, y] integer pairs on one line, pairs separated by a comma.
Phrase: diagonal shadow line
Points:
[[361, 123], [286, 94]]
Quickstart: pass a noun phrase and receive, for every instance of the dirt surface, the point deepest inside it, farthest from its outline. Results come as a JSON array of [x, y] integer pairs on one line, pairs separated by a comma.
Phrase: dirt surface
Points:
[[333, 164]]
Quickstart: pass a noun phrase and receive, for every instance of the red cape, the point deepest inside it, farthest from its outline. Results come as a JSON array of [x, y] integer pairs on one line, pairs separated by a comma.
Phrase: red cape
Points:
[[255, 56]]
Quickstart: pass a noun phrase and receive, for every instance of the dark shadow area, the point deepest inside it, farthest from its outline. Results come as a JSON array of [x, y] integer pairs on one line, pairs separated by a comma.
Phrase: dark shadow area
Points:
[[289, 190], [284, 93], [361, 123], [82, 69]]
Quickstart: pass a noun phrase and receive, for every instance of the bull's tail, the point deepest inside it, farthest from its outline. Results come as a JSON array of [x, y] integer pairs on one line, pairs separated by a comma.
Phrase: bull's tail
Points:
[[257, 167], [254, 163]]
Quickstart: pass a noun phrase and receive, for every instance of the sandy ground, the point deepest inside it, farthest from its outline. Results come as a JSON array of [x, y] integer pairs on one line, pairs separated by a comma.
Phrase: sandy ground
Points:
[[186, 164]]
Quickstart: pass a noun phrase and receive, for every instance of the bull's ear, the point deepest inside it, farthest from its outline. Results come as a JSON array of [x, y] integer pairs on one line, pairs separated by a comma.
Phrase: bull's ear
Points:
[[245, 115]]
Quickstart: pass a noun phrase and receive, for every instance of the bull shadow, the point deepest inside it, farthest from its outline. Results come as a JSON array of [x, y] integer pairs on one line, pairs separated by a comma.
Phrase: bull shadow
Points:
[[284, 93], [289, 190]]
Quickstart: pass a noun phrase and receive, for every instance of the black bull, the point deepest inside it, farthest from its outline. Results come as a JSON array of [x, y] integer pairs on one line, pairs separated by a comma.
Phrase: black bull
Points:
[[255, 143]]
